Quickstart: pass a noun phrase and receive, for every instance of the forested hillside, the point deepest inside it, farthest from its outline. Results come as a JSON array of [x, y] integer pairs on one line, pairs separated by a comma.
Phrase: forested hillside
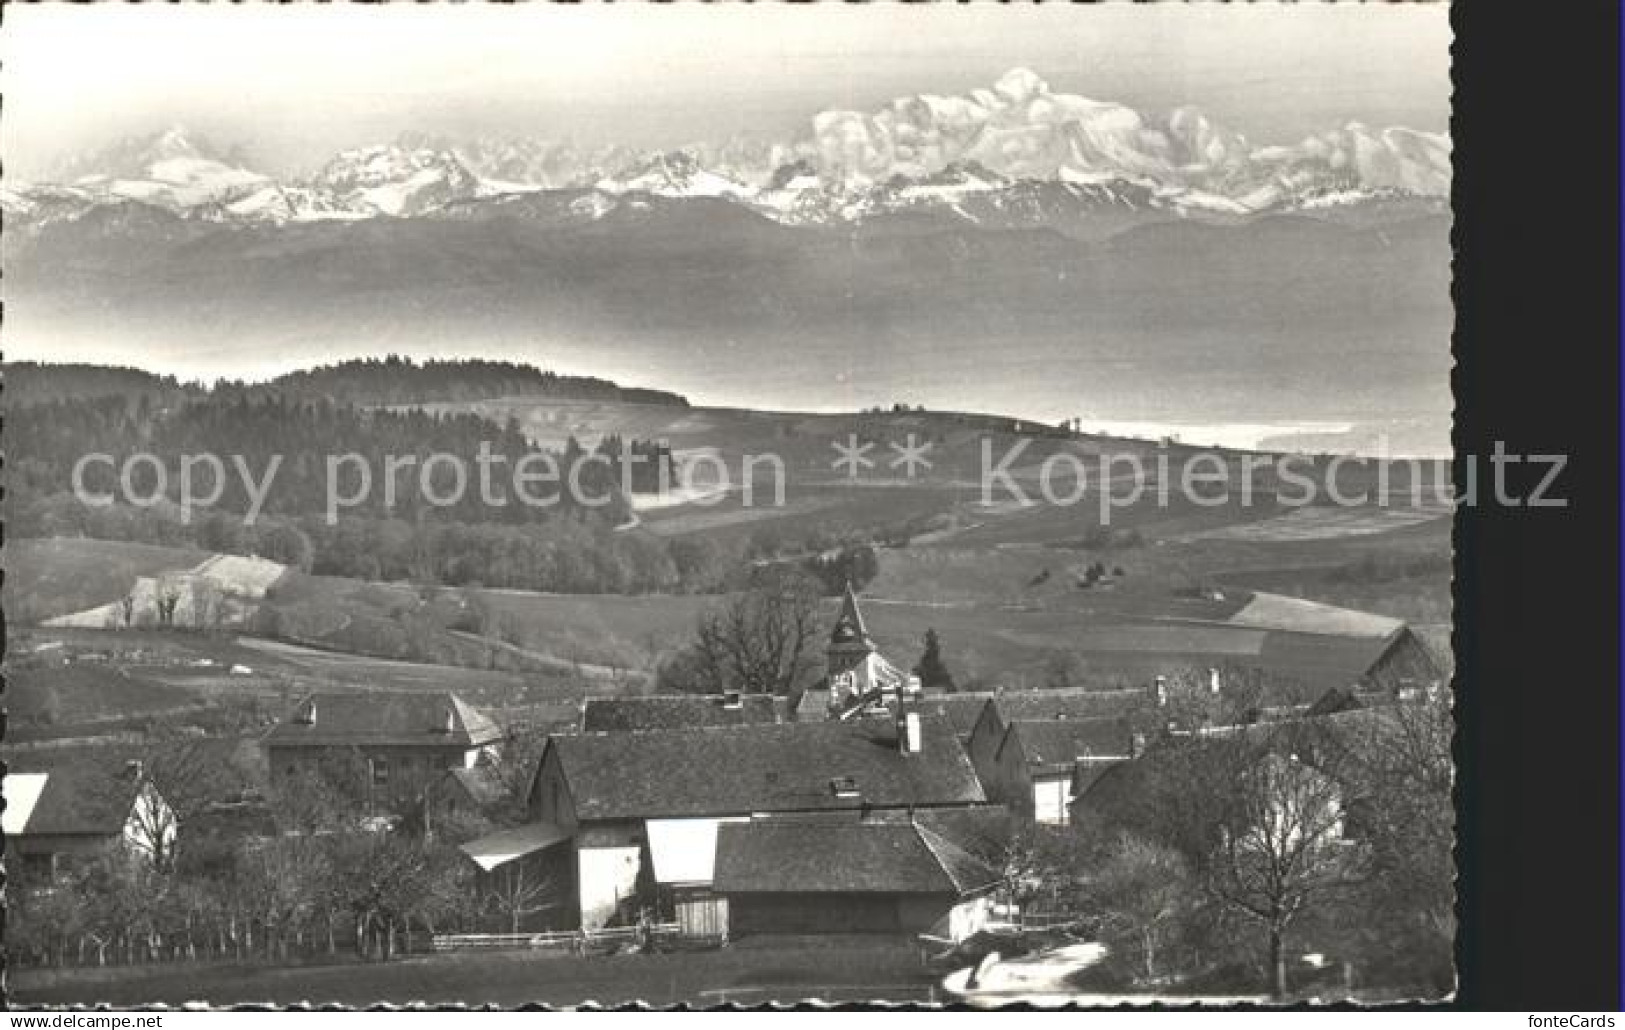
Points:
[[318, 471], [396, 380]]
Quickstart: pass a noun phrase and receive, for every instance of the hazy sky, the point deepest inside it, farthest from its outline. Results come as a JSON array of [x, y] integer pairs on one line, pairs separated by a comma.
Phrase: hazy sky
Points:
[[298, 82]]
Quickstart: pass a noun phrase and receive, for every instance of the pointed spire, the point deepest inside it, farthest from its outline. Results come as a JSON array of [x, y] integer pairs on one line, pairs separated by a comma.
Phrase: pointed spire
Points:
[[849, 628]]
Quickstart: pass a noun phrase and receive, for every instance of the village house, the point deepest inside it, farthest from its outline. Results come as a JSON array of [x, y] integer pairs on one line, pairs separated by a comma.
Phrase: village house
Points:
[[1305, 648], [649, 804], [887, 872], [398, 743], [1245, 782], [61, 809], [1039, 763], [1031, 771]]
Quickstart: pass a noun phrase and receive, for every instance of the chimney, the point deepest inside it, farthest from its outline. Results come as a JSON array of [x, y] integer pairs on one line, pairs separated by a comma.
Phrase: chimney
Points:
[[449, 721], [733, 700], [306, 715], [909, 740], [1162, 692], [913, 687], [1213, 681], [1136, 746]]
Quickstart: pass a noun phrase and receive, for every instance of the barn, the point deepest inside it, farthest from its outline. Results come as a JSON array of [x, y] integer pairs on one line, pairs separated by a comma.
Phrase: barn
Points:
[[644, 810], [884, 874]]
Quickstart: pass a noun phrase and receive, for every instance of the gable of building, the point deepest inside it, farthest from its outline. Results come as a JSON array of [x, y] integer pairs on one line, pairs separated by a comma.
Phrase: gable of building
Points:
[[385, 719]]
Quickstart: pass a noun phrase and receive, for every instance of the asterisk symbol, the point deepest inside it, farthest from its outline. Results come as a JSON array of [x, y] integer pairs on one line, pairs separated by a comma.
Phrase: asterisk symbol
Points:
[[852, 455], [910, 454]]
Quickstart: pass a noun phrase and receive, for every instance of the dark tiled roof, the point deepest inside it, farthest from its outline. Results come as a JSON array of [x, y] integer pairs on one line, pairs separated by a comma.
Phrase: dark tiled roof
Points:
[[1323, 658], [855, 857], [763, 768], [386, 718], [984, 831], [84, 795], [962, 709], [1058, 743], [678, 711], [972, 844], [1068, 704]]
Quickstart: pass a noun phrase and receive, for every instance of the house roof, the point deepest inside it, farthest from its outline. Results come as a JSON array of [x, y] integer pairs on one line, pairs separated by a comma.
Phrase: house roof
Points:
[[1333, 660], [481, 783], [677, 711], [1057, 744], [432, 719], [1170, 793], [970, 844], [761, 768], [1030, 705], [87, 795], [500, 848], [960, 709], [982, 831], [855, 857]]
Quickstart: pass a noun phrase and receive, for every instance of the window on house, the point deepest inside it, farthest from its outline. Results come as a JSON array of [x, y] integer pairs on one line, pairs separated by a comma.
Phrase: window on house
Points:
[[380, 772]]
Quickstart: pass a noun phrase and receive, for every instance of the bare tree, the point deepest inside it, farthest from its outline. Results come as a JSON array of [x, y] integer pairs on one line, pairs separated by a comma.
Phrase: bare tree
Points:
[[762, 641], [281, 881], [1140, 890], [521, 888], [1281, 847], [1396, 763], [390, 881]]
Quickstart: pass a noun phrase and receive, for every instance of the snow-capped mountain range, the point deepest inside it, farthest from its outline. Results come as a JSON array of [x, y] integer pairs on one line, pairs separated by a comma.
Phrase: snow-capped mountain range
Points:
[[1015, 155]]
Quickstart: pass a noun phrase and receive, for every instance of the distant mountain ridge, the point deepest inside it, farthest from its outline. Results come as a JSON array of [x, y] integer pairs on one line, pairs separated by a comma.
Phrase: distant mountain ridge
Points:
[[1016, 154]]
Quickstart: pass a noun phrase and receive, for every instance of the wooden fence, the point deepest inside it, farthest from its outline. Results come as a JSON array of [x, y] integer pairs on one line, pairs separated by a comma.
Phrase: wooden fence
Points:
[[578, 941]]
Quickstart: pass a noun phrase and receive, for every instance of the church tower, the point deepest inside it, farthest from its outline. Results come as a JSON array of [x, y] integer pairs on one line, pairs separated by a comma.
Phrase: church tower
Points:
[[851, 659]]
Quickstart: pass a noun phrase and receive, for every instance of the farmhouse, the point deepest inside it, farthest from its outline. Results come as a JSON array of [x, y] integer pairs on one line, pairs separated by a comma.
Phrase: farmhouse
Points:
[[641, 810], [884, 873], [396, 743], [1012, 776], [1185, 793], [1041, 762], [1315, 647], [678, 711], [57, 811]]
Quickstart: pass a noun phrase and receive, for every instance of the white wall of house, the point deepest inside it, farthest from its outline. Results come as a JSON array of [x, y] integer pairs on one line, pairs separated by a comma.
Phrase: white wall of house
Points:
[[604, 876], [684, 851], [1051, 796]]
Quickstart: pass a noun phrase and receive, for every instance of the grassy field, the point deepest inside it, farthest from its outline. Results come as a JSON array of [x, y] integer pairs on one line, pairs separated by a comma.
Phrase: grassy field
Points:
[[1003, 583], [750, 972], [123, 682]]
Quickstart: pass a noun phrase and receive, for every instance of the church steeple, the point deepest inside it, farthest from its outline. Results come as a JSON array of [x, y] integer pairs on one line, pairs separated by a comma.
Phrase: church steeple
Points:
[[851, 657], [850, 635]]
